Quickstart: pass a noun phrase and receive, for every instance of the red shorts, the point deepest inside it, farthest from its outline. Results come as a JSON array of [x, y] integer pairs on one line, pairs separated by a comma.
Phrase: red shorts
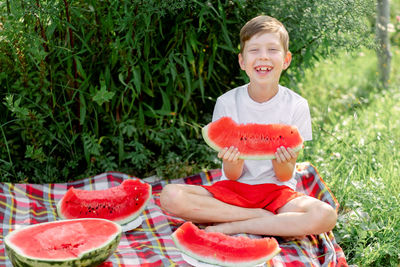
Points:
[[266, 196]]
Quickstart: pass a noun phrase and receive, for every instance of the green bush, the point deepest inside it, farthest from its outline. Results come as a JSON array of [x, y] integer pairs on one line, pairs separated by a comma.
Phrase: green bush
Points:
[[91, 86]]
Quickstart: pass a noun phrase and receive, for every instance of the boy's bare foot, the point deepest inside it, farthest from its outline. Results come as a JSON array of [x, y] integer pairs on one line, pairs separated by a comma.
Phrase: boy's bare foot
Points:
[[225, 228], [231, 228], [228, 228]]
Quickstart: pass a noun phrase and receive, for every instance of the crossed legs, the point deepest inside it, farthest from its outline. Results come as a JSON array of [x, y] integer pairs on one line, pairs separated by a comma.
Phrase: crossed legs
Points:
[[301, 216]]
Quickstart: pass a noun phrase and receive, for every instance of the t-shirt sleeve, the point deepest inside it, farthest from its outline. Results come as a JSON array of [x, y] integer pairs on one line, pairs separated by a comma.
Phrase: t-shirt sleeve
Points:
[[219, 110], [302, 119]]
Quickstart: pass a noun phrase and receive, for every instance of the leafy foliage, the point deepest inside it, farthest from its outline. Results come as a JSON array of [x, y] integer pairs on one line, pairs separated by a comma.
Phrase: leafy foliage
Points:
[[91, 86]]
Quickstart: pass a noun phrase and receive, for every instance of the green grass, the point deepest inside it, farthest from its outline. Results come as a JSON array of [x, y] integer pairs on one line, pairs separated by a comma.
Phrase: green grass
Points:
[[356, 148]]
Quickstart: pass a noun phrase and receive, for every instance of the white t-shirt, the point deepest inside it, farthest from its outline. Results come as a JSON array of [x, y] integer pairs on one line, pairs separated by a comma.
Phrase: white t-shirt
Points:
[[286, 107]]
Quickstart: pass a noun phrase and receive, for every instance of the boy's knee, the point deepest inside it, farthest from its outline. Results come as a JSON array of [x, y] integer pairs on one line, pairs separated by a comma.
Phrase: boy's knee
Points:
[[325, 218], [332, 215], [171, 198]]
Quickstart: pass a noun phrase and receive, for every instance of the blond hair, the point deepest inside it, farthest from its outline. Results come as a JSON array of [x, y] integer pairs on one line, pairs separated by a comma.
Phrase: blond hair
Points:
[[264, 24]]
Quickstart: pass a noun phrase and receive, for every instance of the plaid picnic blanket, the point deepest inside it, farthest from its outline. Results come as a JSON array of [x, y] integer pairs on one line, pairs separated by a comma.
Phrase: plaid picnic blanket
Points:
[[150, 244]]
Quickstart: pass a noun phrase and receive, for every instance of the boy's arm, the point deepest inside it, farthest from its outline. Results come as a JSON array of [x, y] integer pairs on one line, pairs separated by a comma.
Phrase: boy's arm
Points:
[[233, 166], [284, 163]]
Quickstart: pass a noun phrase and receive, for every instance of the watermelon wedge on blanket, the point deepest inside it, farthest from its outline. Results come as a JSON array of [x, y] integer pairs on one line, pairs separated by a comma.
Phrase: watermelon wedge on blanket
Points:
[[221, 249], [254, 141], [80, 242], [121, 204]]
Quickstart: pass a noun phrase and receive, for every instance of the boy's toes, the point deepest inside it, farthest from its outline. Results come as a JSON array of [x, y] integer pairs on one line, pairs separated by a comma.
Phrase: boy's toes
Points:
[[224, 228]]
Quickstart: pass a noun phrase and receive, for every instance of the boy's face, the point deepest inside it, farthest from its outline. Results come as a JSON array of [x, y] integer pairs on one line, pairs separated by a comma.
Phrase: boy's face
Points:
[[263, 59]]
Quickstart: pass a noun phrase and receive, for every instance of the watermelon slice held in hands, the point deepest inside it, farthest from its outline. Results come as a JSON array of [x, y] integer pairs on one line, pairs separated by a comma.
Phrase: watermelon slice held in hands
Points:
[[121, 204], [79, 242], [223, 250], [254, 141]]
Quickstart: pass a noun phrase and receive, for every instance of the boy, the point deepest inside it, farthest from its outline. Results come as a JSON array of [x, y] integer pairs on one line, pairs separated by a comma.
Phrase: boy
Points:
[[257, 196]]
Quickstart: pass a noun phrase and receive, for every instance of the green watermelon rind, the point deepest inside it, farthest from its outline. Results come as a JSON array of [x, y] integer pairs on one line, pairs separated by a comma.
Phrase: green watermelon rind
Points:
[[217, 148], [122, 222], [92, 257], [212, 260]]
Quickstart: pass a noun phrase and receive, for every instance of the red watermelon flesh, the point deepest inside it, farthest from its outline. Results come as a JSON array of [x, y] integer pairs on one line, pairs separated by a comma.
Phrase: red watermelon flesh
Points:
[[64, 239], [120, 204], [79, 242], [224, 250], [254, 141]]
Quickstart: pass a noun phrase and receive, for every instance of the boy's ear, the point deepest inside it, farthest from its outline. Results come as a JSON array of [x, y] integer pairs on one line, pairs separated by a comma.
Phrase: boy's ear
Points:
[[288, 59], [241, 61]]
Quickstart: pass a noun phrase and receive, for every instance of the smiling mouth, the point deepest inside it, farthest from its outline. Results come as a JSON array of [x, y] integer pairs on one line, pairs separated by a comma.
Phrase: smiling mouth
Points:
[[263, 68]]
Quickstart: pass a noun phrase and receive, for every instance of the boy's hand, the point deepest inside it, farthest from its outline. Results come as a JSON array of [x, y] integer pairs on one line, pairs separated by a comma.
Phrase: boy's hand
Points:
[[284, 154], [233, 165], [284, 163], [230, 154]]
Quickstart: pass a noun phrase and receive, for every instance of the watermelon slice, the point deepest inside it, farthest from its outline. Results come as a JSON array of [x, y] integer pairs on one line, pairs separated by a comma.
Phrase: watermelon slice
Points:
[[254, 141], [80, 242], [121, 204], [221, 249]]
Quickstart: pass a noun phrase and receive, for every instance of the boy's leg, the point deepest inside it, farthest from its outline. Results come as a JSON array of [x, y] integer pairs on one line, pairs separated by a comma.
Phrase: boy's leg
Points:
[[195, 203], [301, 216]]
